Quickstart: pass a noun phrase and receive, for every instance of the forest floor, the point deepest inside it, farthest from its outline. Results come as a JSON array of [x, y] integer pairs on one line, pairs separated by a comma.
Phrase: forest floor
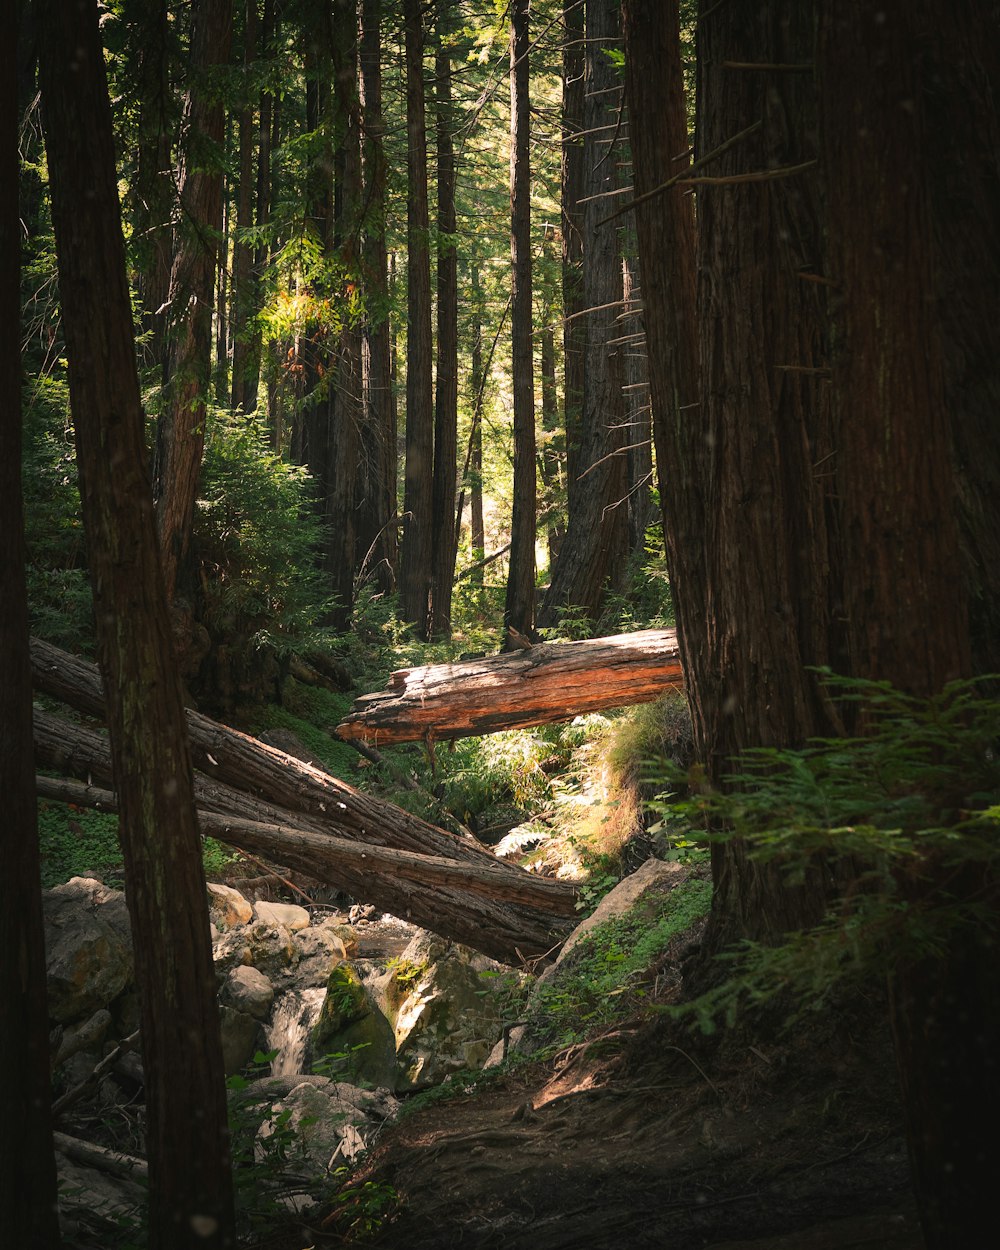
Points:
[[641, 1138]]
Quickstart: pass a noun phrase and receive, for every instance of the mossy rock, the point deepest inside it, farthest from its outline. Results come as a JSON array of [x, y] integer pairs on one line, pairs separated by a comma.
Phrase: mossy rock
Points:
[[352, 1040]]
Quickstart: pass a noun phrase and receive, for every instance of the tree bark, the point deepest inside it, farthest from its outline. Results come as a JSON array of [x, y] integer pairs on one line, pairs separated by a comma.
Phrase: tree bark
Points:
[[907, 611], [190, 1196], [519, 606], [188, 363], [377, 526], [27, 1167], [245, 359], [571, 193], [446, 377], [416, 555], [547, 683], [593, 552]]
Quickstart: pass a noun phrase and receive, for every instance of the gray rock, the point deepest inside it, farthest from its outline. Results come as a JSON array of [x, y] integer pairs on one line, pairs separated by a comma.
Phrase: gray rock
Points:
[[227, 908], [241, 1034], [444, 1017], [88, 948], [247, 989], [330, 1122], [289, 915]]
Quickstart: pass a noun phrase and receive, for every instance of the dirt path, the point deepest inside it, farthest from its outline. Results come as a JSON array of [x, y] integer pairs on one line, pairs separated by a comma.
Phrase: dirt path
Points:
[[634, 1141]]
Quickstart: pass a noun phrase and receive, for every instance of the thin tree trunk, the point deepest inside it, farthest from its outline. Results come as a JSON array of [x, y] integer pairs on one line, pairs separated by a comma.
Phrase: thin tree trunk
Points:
[[377, 529], [190, 1196], [343, 399], [187, 370], [475, 474], [550, 460], [519, 607], [635, 407], [153, 190], [416, 556], [572, 192], [27, 1166], [244, 278], [446, 381]]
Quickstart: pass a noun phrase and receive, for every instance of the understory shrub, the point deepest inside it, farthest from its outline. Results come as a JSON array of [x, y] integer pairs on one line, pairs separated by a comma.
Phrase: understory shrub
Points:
[[914, 803]]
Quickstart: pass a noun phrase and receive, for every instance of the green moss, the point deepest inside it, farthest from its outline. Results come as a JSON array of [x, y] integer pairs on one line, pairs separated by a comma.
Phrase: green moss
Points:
[[603, 979]]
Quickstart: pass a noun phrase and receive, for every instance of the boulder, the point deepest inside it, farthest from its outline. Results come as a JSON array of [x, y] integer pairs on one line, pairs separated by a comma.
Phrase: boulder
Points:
[[88, 948], [641, 890], [438, 998], [246, 989], [328, 1121], [352, 1040], [241, 1036], [287, 915], [227, 908]]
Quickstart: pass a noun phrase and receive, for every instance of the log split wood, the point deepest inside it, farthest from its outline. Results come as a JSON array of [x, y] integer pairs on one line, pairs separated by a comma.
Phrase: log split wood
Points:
[[549, 682], [270, 803]]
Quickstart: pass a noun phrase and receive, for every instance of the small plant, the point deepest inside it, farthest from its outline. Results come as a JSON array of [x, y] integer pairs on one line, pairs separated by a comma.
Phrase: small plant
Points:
[[915, 803], [361, 1210], [604, 977]]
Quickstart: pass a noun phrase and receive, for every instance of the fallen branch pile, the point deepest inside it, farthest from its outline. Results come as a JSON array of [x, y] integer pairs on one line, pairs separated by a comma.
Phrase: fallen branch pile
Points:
[[259, 799]]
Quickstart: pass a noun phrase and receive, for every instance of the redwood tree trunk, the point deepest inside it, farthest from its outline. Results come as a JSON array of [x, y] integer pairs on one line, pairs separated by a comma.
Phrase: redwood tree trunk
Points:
[[571, 192], [27, 1167], [594, 549], [519, 607], [905, 602], [446, 378], [416, 556], [188, 364], [377, 528], [190, 1198]]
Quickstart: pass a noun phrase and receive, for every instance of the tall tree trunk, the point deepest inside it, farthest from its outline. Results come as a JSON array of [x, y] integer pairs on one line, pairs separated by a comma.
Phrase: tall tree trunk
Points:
[[416, 556], [377, 530], [153, 189], [760, 561], [190, 1197], [244, 279], [519, 608], [477, 521], [446, 381], [27, 1165], [635, 407], [572, 192], [343, 399], [188, 361], [905, 604], [550, 461], [594, 549]]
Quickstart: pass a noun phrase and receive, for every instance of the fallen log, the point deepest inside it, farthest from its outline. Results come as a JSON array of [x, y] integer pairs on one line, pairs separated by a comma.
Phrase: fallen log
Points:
[[241, 761], [501, 910], [544, 683], [288, 844]]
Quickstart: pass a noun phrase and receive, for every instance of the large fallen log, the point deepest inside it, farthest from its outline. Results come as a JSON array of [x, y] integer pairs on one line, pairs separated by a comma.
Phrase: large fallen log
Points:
[[494, 907], [548, 682], [241, 761]]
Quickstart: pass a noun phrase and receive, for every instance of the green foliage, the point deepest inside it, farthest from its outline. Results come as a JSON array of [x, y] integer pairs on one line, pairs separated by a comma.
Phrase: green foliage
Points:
[[77, 842], [604, 977], [499, 768], [361, 1210], [913, 803], [310, 712], [59, 598], [256, 534]]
